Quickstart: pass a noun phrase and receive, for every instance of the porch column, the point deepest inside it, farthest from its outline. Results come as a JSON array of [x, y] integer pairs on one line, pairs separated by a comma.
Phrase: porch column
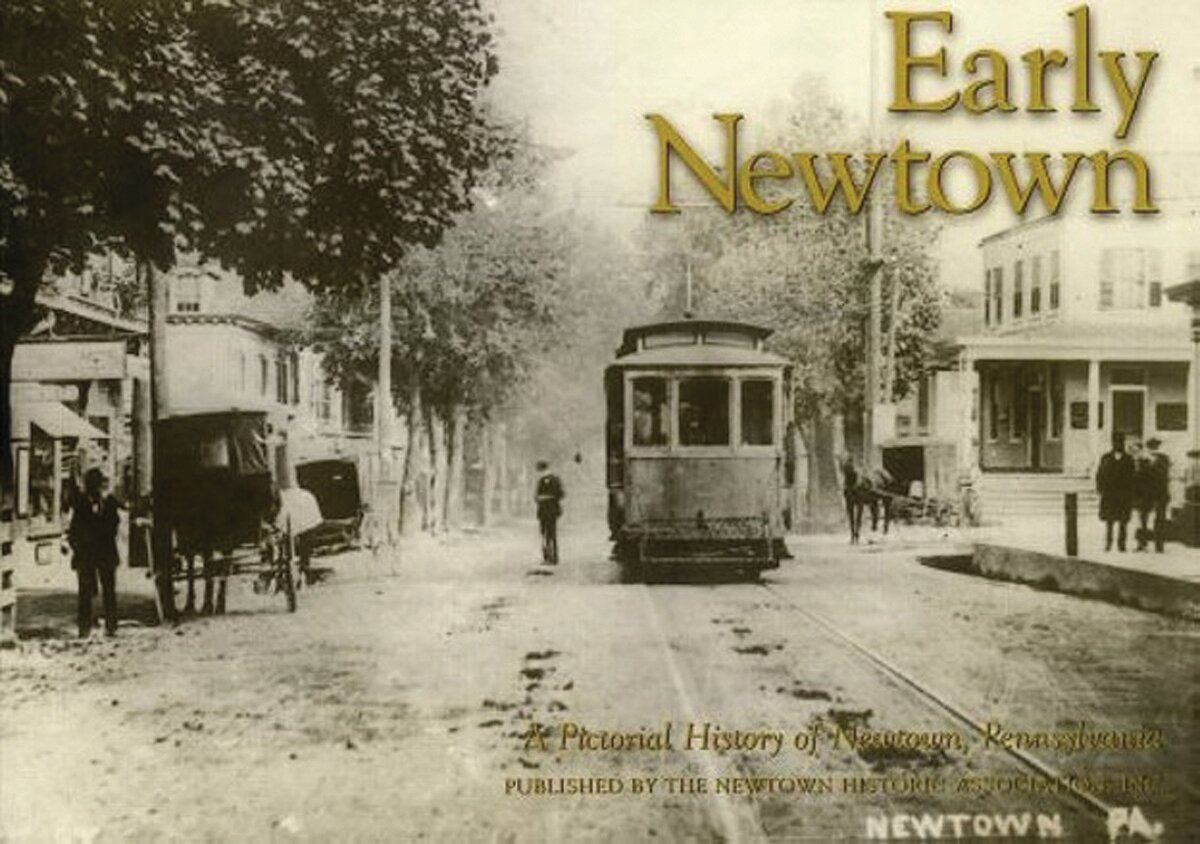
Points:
[[1194, 384], [1188, 293], [1093, 397], [969, 417]]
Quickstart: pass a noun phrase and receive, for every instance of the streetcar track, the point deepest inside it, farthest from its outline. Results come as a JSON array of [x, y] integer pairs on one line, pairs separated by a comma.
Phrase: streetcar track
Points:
[[722, 804], [940, 701]]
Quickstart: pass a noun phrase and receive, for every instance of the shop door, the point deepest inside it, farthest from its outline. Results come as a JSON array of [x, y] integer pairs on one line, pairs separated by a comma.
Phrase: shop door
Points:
[[1129, 414], [1037, 429]]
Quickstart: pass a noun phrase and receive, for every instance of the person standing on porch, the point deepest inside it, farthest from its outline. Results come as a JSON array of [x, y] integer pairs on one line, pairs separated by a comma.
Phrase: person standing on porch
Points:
[[1114, 482]]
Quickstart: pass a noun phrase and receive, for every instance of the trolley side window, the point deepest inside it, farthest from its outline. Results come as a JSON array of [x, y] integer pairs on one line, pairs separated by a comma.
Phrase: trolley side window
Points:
[[703, 411], [758, 412], [649, 411]]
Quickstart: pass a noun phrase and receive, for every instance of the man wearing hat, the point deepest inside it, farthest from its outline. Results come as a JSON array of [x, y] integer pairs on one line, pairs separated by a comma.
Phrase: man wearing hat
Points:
[[1114, 482], [93, 538], [549, 495], [1158, 491]]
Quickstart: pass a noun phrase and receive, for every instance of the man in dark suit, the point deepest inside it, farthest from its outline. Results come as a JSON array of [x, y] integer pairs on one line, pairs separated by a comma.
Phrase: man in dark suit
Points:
[[93, 538], [1114, 482], [1158, 489], [549, 495]]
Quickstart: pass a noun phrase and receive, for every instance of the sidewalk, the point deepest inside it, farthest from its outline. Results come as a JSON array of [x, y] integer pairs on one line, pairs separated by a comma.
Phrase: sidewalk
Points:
[[47, 599], [1034, 551]]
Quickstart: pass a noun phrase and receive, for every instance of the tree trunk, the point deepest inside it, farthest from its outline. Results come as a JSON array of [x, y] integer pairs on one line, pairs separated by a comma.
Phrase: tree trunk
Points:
[[503, 490], [16, 317], [8, 345], [456, 427], [889, 360], [487, 457], [410, 478], [824, 495], [435, 477], [159, 405]]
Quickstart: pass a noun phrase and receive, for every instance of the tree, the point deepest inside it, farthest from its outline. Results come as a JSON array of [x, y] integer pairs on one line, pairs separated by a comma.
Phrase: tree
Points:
[[313, 138], [469, 315], [98, 103], [803, 274]]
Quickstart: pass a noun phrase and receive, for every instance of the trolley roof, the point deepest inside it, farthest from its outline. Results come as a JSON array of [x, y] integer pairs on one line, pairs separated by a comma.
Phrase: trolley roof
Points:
[[696, 343]]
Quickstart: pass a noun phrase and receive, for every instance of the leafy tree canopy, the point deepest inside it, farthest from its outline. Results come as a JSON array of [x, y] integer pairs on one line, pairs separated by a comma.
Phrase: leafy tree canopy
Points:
[[803, 273], [316, 138]]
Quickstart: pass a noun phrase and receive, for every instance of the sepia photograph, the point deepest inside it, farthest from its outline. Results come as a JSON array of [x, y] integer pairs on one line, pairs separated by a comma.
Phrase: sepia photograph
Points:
[[599, 421]]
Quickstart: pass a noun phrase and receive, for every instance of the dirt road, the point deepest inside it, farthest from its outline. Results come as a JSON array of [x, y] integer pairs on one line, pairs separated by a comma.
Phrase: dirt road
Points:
[[475, 696]]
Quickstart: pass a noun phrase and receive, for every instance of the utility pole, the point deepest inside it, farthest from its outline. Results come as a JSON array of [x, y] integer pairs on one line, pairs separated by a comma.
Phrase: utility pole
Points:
[[383, 421], [159, 404], [875, 268]]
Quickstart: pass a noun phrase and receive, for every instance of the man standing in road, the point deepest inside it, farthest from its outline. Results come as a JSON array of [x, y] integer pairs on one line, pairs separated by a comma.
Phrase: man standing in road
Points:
[[853, 496], [93, 538], [1114, 482], [549, 494]]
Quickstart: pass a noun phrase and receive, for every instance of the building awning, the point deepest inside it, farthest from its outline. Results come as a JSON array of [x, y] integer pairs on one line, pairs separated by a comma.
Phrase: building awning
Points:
[[54, 418]]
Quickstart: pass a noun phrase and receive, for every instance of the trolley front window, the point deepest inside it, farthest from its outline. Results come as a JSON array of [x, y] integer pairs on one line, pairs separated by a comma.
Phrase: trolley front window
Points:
[[649, 411], [758, 412], [703, 411]]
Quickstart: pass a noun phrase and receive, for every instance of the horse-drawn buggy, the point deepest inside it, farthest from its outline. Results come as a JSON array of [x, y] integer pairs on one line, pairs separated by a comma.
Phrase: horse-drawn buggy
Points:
[[219, 499], [920, 479]]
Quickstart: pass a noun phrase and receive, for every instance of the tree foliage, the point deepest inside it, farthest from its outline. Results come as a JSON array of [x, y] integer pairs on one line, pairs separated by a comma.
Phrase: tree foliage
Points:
[[470, 315], [314, 138], [804, 273]]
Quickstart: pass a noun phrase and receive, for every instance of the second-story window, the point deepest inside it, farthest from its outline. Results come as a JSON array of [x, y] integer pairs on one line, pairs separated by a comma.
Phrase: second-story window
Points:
[[242, 382], [1130, 278], [282, 380], [987, 298], [1055, 270], [1191, 269], [185, 295], [1035, 285], [998, 295], [1018, 288], [264, 375], [294, 371]]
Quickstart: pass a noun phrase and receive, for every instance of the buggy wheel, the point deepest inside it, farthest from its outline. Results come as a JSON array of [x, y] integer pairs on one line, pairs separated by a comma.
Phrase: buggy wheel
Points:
[[285, 577], [289, 584]]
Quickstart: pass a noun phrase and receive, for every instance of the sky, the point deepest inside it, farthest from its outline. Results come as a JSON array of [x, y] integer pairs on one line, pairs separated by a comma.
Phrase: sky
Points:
[[583, 73]]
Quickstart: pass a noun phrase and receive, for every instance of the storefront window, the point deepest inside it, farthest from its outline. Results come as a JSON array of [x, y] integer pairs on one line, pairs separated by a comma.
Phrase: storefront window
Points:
[[41, 476], [758, 412], [649, 411], [704, 411], [1020, 408]]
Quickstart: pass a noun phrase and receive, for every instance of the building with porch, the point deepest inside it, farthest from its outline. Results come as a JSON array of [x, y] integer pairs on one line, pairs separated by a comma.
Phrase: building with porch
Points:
[[80, 386], [1079, 342]]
